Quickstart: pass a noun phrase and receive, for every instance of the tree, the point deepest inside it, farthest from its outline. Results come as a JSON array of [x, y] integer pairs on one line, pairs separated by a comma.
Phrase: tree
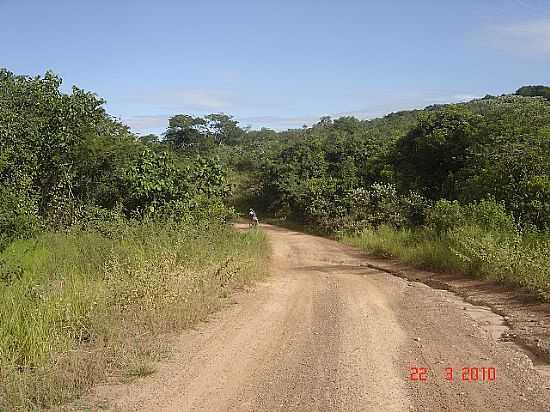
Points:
[[150, 139], [223, 129], [532, 91], [201, 134], [324, 122], [40, 127], [186, 132], [511, 161], [437, 148]]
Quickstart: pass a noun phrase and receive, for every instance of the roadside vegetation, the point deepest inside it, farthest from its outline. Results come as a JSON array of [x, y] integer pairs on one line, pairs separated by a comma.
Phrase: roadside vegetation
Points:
[[82, 307], [107, 241], [471, 245], [461, 187]]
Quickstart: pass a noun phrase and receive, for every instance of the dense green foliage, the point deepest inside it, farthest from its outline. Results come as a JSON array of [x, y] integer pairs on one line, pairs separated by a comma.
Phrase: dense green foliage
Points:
[[463, 187], [202, 133], [533, 91], [492, 148], [62, 158], [106, 239]]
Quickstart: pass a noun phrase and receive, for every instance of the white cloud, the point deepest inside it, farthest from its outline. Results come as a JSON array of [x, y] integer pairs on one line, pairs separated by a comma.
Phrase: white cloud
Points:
[[277, 122], [409, 103], [157, 123], [378, 110], [146, 123], [200, 98], [171, 102], [524, 39], [188, 99], [464, 97]]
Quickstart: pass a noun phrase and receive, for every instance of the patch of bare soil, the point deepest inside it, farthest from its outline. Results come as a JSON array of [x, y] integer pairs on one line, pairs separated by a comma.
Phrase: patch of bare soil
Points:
[[528, 319]]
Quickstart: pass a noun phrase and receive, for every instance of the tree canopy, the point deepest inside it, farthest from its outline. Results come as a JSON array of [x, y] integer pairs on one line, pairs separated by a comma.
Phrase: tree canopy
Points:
[[532, 91]]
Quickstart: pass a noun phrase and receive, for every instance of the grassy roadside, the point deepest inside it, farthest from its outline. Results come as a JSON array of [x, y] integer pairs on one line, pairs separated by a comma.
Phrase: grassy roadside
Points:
[[520, 259], [78, 307]]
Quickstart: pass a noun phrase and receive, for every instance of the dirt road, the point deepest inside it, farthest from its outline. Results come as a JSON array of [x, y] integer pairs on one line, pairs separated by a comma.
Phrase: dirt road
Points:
[[326, 333]]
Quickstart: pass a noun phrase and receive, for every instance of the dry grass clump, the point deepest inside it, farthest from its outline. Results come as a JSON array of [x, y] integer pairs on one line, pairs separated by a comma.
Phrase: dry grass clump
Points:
[[77, 308]]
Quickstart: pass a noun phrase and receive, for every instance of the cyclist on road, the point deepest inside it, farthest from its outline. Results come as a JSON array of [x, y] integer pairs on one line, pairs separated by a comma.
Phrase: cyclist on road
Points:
[[253, 218]]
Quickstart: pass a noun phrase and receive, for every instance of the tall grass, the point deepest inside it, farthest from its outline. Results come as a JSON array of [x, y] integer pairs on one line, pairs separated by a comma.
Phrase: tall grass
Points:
[[522, 259], [78, 307]]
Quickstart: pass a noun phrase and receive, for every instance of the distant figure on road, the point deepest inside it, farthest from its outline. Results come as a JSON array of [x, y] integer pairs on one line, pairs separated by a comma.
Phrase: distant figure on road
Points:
[[253, 218]]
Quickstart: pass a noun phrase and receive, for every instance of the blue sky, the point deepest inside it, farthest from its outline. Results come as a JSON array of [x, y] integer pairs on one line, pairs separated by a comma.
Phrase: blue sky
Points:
[[282, 63]]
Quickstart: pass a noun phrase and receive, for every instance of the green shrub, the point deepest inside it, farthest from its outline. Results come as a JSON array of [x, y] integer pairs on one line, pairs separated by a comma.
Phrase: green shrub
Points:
[[444, 216], [377, 205], [535, 202], [415, 208], [19, 217], [490, 215], [110, 223]]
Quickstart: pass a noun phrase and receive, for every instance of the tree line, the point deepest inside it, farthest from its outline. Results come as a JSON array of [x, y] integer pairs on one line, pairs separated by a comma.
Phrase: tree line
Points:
[[339, 173], [64, 160]]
